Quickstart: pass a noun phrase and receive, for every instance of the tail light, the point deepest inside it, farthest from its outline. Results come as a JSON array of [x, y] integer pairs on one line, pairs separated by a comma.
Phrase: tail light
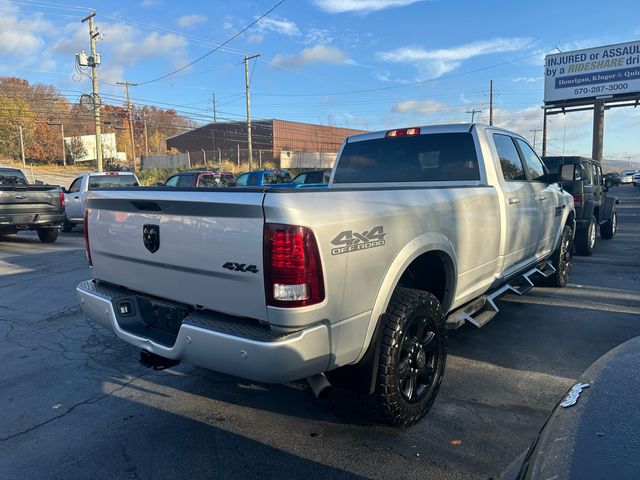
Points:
[[61, 200], [577, 200], [402, 132], [86, 236], [292, 268]]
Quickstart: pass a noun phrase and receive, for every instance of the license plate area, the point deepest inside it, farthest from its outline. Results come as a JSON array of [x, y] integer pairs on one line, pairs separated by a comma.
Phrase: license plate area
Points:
[[150, 318]]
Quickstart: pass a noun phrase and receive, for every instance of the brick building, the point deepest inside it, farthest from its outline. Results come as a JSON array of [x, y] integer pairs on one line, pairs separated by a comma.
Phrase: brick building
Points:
[[269, 138]]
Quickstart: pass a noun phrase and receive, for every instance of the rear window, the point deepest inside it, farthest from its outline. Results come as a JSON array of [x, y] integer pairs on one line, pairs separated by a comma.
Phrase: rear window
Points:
[[111, 181], [415, 158], [276, 177], [12, 178], [218, 180]]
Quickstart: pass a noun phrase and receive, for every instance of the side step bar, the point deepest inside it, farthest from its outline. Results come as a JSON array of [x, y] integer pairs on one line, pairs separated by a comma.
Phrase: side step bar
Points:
[[478, 312]]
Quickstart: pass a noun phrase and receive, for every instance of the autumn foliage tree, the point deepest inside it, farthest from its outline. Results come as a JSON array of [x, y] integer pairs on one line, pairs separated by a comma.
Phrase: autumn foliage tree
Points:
[[35, 106]]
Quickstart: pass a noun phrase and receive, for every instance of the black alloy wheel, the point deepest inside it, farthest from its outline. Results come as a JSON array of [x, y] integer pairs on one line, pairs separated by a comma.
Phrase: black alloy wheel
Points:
[[413, 353]]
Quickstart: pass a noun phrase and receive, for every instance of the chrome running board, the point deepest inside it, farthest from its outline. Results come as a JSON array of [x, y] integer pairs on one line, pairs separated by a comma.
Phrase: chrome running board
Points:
[[479, 311]]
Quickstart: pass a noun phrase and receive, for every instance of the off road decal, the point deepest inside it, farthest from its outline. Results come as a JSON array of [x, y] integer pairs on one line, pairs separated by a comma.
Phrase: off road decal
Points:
[[350, 241]]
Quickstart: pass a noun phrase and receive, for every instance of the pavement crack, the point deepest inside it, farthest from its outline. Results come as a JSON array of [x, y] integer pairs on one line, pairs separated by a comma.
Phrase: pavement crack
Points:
[[89, 401]]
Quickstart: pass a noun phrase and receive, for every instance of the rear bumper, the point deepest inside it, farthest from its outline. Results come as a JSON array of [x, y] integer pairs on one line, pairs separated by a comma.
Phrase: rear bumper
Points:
[[31, 220], [221, 343]]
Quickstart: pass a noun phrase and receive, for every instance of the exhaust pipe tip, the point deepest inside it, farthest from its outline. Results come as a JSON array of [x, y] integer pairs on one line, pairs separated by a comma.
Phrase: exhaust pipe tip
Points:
[[320, 385]]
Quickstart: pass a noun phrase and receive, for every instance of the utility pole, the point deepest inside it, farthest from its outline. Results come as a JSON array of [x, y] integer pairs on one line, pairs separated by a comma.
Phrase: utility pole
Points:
[[132, 163], [246, 82], [94, 61], [213, 128], [146, 136], [491, 103], [64, 153], [24, 163], [473, 112], [534, 130]]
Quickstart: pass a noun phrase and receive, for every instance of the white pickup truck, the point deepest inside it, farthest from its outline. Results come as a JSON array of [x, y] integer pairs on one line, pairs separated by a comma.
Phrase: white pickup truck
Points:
[[74, 198], [420, 230]]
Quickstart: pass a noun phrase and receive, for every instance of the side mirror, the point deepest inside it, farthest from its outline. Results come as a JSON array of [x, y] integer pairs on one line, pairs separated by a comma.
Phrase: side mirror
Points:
[[570, 172], [64, 190], [608, 182]]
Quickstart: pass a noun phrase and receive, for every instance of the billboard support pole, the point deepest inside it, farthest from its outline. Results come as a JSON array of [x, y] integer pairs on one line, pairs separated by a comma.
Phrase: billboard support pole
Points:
[[598, 130], [544, 133]]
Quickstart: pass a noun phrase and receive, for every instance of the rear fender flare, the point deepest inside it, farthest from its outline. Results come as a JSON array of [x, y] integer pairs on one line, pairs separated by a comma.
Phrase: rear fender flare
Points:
[[425, 243]]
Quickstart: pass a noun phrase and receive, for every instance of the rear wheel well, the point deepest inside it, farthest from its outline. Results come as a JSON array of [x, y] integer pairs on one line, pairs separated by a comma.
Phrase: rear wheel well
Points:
[[571, 221], [430, 272]]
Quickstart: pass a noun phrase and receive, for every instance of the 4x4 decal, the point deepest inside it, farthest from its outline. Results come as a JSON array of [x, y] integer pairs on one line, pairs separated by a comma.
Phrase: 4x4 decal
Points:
[[240, 267], [350, 241]]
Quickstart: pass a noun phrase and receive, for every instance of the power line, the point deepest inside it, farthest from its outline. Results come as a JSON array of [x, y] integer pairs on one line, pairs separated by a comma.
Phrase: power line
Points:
[[229, 40]]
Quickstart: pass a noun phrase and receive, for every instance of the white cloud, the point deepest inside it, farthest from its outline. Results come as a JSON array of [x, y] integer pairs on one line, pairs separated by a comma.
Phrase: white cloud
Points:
[[255, 38], [21, 36], [435, 63], [385, 76], [360, 6], [527, 79], [315, 54], [318, 35], [423, 107], [278, 25], [128, 46], [190, 20]]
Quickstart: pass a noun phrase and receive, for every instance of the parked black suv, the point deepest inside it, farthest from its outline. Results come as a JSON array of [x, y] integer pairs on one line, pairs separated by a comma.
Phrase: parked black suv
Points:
[[595, 208]]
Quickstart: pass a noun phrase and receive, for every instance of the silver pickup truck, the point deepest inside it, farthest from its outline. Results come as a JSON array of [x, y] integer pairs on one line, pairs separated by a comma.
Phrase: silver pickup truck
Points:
[[421, 229]]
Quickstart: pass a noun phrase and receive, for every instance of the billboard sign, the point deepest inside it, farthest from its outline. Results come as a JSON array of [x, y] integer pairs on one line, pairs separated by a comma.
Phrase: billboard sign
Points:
[[594, 72]]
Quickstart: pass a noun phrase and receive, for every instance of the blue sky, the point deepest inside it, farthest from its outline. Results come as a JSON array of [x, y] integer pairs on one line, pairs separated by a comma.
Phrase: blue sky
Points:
[[371, 64]]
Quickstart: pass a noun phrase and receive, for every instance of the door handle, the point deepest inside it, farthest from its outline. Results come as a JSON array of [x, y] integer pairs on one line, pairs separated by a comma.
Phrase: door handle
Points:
[[541, 197], [514, 200]]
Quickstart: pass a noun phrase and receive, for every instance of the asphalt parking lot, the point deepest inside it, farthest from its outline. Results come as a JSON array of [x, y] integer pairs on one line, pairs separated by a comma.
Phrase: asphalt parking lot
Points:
[[76, 403]]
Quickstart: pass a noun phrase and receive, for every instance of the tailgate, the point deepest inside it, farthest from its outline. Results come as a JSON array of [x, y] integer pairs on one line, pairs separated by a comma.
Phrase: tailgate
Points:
[[29, 199], [208, 242]]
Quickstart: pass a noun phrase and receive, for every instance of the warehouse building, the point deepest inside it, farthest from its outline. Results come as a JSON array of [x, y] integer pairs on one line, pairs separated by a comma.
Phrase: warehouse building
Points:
[[287, 144]]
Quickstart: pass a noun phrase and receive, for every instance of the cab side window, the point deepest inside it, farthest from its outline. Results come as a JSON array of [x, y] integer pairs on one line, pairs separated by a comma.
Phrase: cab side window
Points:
[[75, 186], [186, 180], [242, 180], [510, 162], [534, 165], [172, 181], [253, 179], [587, 174], [596, 176]]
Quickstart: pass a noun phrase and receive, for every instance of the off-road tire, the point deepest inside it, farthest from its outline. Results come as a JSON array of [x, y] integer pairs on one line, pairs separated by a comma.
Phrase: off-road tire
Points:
[[586, 238], [67, 226], [411, 313], [610, 227], [48, 235], [562, 260]]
